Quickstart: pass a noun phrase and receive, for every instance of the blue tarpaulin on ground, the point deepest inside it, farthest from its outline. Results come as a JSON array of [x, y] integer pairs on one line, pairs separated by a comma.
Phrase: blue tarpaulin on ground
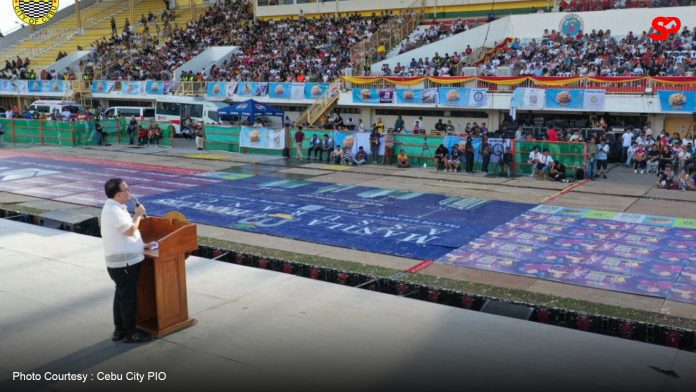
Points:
[[403, 223]]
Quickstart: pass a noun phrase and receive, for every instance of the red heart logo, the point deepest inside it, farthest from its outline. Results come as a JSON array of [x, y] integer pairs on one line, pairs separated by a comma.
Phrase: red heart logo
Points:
[[665, 25]]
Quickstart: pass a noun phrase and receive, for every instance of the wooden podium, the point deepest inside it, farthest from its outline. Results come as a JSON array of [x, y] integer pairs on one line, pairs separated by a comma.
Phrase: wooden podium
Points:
[[162, 300]]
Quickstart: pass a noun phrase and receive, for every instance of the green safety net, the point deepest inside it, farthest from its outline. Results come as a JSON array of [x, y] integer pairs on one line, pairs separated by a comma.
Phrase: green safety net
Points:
[[571, 155]]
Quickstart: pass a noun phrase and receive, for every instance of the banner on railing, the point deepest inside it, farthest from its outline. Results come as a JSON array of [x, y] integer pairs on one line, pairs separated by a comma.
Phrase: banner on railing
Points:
[[273, 139], [593, 100], [252, 89], [315, 90], [221, 90], [373, 95], [417, 96], [13, 86], [528, 98], [48, 86], [132, 88], [574, 99], [287, 90], [156, 87], [497, 146], [462, 96], [103, 86], [564, 98], [678, 101]]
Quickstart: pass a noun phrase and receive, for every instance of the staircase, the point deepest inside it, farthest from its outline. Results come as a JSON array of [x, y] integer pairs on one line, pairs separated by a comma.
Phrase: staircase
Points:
[[390, 35], [321, 106]]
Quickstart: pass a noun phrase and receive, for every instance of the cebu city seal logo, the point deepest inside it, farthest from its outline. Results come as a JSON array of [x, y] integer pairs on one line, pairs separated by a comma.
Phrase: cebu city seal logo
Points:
[[35, 12]]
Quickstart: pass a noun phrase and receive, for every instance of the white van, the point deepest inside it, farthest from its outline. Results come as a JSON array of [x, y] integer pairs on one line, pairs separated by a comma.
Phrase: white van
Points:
[[46, 107], [130, 111], [175, 109]]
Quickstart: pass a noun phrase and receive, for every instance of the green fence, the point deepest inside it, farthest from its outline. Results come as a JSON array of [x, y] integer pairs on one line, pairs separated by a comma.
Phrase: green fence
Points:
[[222, 138], [74, 133], [571, 155]]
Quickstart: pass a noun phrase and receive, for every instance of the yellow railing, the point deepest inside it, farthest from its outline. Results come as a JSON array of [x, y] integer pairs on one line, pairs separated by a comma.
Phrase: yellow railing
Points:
[[324, 103]]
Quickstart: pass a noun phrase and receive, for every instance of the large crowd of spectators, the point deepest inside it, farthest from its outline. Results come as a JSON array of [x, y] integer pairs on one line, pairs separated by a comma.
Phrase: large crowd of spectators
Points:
[[303, 50], [598, 53], [433, 33], [601, 5]]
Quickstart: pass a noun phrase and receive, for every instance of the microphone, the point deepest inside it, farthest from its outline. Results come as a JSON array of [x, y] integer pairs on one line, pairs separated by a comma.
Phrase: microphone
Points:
[[137, 204]]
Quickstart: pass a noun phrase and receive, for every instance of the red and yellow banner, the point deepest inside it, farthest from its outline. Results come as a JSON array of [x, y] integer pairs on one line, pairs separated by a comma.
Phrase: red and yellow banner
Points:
[[516, 80]]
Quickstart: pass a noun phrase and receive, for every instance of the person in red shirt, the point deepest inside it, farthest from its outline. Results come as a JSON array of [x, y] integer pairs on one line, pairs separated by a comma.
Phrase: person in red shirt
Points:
[[553, 135], [299, 138], [563, 6]]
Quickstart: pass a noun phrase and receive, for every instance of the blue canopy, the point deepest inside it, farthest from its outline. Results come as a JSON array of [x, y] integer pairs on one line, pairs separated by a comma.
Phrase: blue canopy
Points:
[[250, 108]]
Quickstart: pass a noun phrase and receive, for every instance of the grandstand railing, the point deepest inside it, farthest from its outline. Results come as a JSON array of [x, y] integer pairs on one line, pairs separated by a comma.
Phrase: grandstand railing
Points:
[[613, 85], [390, 35]]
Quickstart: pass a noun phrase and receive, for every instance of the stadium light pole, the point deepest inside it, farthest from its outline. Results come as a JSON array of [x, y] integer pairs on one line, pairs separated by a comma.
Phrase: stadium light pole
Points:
[[79, 18]]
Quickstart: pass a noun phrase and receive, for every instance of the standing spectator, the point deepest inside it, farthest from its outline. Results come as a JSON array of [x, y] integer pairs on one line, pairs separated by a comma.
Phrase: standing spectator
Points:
[[601, 157], [399, 124], [199, 136], [630, 153], [113, 26], [627, 140], [299, 138], [553, 134], [374, 144], [591, 168], [388, 147], [469, 152], [132, 128], [486, 152], [653, 159]]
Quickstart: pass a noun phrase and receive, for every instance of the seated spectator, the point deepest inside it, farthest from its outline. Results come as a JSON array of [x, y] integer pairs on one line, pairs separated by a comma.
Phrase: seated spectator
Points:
[[336, 155], [452, 159], [534, 159], [314, 145], [360, 157], [402, 160], [666, 178], [142, 135], [686, 181], [639, 157], [557, 171], [653, 159], [440, 157], [544, 163], [325, 146], [347, 157]]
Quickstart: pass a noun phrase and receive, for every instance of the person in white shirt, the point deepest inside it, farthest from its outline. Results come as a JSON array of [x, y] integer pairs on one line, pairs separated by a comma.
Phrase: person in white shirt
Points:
[[627, 140], [575, 137], [631, 151], [123, 250], [533, 160], [545, 162]]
